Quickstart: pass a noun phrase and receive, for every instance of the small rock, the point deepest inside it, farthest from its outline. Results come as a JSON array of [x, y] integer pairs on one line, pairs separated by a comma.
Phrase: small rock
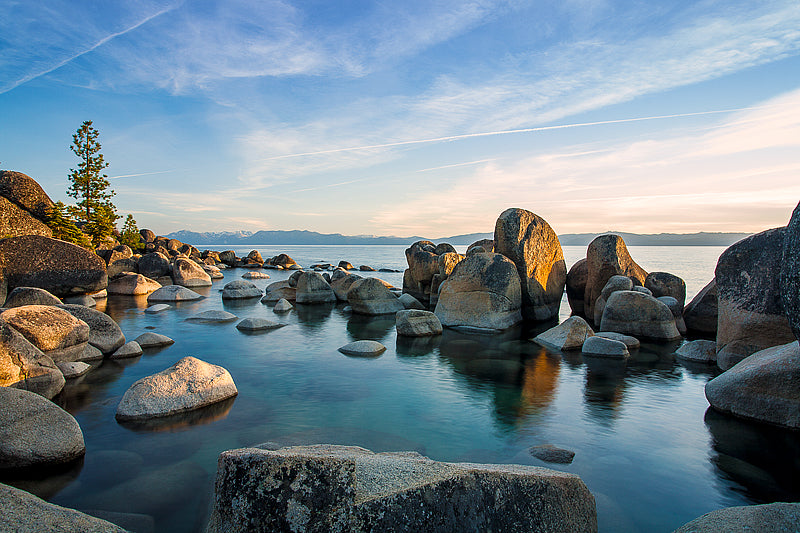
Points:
[[214, 315], [153, 340], [282, 306], [552, 454], [127, 350], [699, 351], [417, 323], [256, 275], [240, 290], [602, 347], [569, 335], [257, 324], [157, 308], [73, 369], [631, 342], [364, 348]]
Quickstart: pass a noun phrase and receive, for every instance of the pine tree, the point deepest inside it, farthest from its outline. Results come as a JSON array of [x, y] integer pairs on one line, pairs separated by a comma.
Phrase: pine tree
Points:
[[64, 227], [102, 223], [130, 234], [88, 185]]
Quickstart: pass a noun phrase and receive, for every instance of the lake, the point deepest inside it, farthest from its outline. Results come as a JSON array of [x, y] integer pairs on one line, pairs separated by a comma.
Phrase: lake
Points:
[[645, 442]]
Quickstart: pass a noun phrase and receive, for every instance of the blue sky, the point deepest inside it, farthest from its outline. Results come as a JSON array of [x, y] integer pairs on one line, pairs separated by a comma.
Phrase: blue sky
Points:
[[413, 118]]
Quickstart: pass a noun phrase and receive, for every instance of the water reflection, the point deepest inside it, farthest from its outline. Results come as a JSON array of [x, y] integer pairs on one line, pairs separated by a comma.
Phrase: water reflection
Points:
[[605, 387], [313, 317], [195, 417], [364, 327], [416, 346], [44, 482]]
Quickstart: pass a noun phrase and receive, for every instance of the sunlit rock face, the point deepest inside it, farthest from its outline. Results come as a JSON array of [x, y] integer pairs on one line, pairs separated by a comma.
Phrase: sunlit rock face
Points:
[[607, 256]]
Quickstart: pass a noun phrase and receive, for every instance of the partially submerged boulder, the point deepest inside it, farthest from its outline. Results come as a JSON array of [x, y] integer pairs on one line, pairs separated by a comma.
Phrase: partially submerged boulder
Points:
[[417, 323], [133, 285], [639, 315], [187, 273], [24, 366], [173, 293], [258, 324], [128, 350], [607, 256], [602, 347], [698, 351], [150, 339], [282, 306], [369, 296], [213, 315], [569, 335], [351, 489], [313, 289], [363, 348], [666, 284], [240, 290], [700, 315]]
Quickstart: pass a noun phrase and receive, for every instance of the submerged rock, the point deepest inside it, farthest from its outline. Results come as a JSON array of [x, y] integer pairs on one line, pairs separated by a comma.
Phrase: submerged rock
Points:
[[257, 324], [127, 350], [552, 454], [417, 323], [173, 293], [699, 351], [213, 315], [364, 348]]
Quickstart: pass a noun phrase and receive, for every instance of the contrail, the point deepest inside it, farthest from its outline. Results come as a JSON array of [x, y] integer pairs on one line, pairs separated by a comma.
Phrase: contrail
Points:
[[507, 132], [142, 174], [458, 165]]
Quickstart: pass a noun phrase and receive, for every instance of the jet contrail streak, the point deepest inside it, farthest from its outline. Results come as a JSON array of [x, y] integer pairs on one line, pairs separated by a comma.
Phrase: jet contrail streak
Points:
[[142, 174], [506, 132]]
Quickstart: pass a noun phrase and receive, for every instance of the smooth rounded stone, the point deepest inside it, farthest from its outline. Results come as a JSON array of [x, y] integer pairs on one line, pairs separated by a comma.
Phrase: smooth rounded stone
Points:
[[552, 454], [363, 348], [30, 296], [36, 432], [409, 302], [603, 347], [750, 310], [292, 279], [150, 339], [699, 351], [132, 285], [677, 311], [700, 314], [47, 327], [255, 275], [154, 265], [73, 369], [82, 299], [79, 352], [24, 366], [666, 284], [281, 260], [279, 290], [345, 265], [767, 518], [173, 293], [282, 306], [790, 272], [631, 342], [187, 385], [417, 323], [157, 308], [127, 350], [569, 335], [483, 291], [576, 286], [24, 191], [348, 488], [369, 296], [187, 273], [313, 289], [58, 267], [643, 290], [765, 386], [341, 284], [614, 284], [607, 256], [257, 324], [213, 315], [121, 266], [147, 235], [25, 513], [532, 245], [636, 314], [240, 290], [104, 333]]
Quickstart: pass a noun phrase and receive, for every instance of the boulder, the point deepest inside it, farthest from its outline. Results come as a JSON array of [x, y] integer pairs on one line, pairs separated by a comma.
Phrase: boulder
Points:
[[666, 284], [154, 265], [444, 248], [576, 286], [614, 284], [153, 340], [569, 335], [699, 351], [282, 306], [73, 369], [341, 284], [447, 262], [213, 315], [240, 290], [790, 272], [366, 268], [279, 290], [255, 275], [631, 342], [79, 352], [313, 289], [257, 324], [25, 513], [533, 246], [344, 488], [677, 311], [363, 348], [147, 235], [607, 256], [30, 296], [15, 221], [58, 267], [133, 285], [417, 323], [767, 518], [639, 315], [423, 263], [24, 366], [700, 315], [486, 246], [552, 454], [173, 293], [83, 299], [187, 385], [25, 193], [369, 296], [157, 308], [643, 290], [121, 266], [36, 432], [602, 347], [104, 333], [254, 257], [483, 291], [409, 302], [281, 260], [764, 386], [216, 273], [127, 350], [47, 327], [750, 310], [345, 265], [187, 273]]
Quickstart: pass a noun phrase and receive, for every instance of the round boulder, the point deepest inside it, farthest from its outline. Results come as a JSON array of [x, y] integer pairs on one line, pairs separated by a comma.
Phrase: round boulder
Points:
[[24, 366], [607, 256], [666, 284], [369, 296], [601, 347], [47, 327], [699, 351], [313, 289], [639, 315], [417, 323], [149, 339], [213, 315], [104, 333], [154, 265], [240, 290], [187, 273], [30, 296], [257, 324]]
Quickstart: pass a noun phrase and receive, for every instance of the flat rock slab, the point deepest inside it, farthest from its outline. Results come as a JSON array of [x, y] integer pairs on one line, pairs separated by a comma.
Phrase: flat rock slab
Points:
[[257, 324], [552, 454], [153, 340], [173, 293], [347, 488], [363, 349], [157, 308], [771, 518], [74, 369], [214, 315], [256, 275], [47, 327], [188, 384]]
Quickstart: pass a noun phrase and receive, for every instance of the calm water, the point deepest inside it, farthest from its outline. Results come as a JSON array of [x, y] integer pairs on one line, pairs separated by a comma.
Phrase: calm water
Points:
[[646, 446]]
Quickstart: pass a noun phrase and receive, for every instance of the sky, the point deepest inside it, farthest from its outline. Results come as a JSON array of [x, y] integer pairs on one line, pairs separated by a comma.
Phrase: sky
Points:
[[413, 117]]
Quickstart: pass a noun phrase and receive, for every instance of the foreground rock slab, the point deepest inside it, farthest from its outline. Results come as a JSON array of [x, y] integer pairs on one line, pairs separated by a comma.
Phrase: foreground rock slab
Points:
[[771, 518], [345, 488], [188, 384]]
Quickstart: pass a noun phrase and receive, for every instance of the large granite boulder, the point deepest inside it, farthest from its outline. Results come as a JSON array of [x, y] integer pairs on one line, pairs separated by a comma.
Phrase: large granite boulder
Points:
[[24, 366], [187, 273], [147, 235], [423, 265], [279, 290], [187, 385], [26, 193], [341, 282], [313, 289], [240, 290], [576, 286], [59, 267], [750, 311], [485, 245], [47, 327], [614, 284], [569, 335], [767, 518], [104, 333], [15, 221], [369, 296], [173, 293], [533, 246], [36, 432], [764, 386], [417, 323], [31, 296], [639, 315], [282, 261], [153, 265], [133, 285], [698, 351], [607, 256], [700, 315], [790, 272], [349, 489], [666, 284], [483, 291]]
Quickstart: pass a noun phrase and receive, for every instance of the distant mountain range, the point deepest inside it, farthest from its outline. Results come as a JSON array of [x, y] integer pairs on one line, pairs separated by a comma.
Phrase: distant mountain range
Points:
[[235, 238]]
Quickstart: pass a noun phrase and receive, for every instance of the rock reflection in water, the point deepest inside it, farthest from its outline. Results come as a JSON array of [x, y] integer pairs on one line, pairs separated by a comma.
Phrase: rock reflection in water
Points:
[[374, 328], [195, 417], [605, 387], [313, 316], [416, 346], [44, 482]]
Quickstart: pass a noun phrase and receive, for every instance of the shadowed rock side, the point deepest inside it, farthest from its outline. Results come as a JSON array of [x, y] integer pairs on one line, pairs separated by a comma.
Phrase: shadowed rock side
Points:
[[607, 256], [345, 488], [24, 366], [790, 272], [770, 518], [533, 246], [24, 206], [750, 311], [700, 315], [576, 287]]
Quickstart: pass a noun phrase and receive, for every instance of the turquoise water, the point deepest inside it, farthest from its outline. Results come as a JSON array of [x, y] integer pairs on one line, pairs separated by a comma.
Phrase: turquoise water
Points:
[[645, 444]]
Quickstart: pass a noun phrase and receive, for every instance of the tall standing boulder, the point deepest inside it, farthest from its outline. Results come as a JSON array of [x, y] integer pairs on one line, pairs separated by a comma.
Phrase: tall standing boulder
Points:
[[423, 264], [700, 315], [607, 256], [790, 272], [533, 246], [313, 289], [24, 206], [750, 310], [187, 273]]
